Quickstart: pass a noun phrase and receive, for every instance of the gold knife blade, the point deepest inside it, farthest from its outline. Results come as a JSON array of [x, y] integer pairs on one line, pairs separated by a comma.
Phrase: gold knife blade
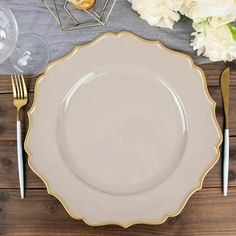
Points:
[[224, 83]]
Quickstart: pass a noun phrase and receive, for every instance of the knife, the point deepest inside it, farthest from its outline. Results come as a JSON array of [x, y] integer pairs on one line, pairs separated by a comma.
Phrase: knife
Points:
[[224, 83]]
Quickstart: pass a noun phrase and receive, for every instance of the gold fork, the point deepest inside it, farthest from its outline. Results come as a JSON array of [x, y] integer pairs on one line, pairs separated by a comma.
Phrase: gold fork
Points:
[[20, 99]]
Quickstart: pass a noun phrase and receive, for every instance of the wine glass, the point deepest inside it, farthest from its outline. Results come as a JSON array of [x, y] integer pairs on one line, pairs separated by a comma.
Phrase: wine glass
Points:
[[8, 33], [27, 54], [30, 56]]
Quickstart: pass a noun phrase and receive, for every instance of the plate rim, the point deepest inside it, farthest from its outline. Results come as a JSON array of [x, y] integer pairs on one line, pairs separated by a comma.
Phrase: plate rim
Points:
[[207, 95]]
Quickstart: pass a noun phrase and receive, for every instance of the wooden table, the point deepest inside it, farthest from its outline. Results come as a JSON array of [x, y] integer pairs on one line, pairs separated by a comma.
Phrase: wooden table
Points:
[[206, 213]]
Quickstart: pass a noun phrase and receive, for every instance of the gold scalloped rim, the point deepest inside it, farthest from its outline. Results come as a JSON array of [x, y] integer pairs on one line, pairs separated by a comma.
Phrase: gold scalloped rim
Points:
[[213, 103]]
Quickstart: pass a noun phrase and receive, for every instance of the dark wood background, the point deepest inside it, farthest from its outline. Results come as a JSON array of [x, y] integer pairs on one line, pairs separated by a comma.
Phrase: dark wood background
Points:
[[206, 213]]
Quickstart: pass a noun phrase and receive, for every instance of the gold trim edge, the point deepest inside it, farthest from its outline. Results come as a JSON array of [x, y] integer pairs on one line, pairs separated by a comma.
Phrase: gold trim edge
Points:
[[213, 103]]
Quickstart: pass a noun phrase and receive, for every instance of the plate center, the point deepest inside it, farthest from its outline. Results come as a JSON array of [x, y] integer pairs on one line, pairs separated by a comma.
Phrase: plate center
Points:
[[121, 129]]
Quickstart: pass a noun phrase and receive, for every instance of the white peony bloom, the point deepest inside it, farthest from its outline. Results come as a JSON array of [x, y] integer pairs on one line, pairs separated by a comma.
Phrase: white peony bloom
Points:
[[221, 11], [162, 13], [216, 43]]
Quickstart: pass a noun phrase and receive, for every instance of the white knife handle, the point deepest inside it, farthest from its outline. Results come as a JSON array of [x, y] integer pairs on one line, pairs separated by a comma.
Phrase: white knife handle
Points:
[[226, 162], [20, 158]]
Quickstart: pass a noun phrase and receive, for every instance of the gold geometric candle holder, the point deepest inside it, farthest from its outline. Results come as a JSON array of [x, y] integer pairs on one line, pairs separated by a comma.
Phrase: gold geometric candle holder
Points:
[[74, 14]]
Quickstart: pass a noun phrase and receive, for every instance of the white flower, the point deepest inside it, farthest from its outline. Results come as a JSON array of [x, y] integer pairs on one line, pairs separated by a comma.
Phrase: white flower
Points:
[[220, 11], [216, 43], [162, 13]]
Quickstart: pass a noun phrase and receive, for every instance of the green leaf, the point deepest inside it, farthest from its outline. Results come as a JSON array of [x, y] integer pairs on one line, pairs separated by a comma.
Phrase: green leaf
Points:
[[183, 17], [233, 30]]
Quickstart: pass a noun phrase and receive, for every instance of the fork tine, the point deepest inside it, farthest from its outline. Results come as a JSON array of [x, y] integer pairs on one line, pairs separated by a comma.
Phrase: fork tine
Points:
[[13, 87], [17, 87], [20, 86], [24, 87]]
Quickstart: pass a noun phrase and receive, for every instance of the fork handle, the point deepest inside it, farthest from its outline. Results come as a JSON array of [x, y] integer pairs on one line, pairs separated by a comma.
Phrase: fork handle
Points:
[[226, 162], [20, 158]]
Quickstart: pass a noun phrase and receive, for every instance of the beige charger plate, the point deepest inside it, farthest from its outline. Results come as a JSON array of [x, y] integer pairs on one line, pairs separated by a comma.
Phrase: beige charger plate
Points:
[[122, 131]]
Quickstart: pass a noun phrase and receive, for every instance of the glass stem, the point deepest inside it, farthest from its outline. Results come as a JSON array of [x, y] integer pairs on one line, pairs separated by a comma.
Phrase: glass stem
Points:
[[2, 35], [25, 57]]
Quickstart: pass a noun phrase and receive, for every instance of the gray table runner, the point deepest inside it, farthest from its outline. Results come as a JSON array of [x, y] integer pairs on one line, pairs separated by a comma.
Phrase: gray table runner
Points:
[[33, 17]]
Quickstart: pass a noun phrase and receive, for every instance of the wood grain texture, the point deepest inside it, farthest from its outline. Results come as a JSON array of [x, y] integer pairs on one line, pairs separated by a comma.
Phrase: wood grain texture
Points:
[[6, 87], [8, 117], [9, 168], [212, 73], [207, 213], [9, 171], [8, 113]]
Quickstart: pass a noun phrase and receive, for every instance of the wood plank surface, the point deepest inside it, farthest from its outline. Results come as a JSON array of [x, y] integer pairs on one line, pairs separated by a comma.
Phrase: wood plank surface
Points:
[[39, 214], [9, 174], [207, 212], [8, 117], [9, 168], [212, 73]]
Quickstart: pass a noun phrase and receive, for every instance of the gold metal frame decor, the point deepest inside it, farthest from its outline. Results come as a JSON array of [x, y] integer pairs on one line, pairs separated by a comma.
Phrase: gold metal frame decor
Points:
[[73, 14]]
